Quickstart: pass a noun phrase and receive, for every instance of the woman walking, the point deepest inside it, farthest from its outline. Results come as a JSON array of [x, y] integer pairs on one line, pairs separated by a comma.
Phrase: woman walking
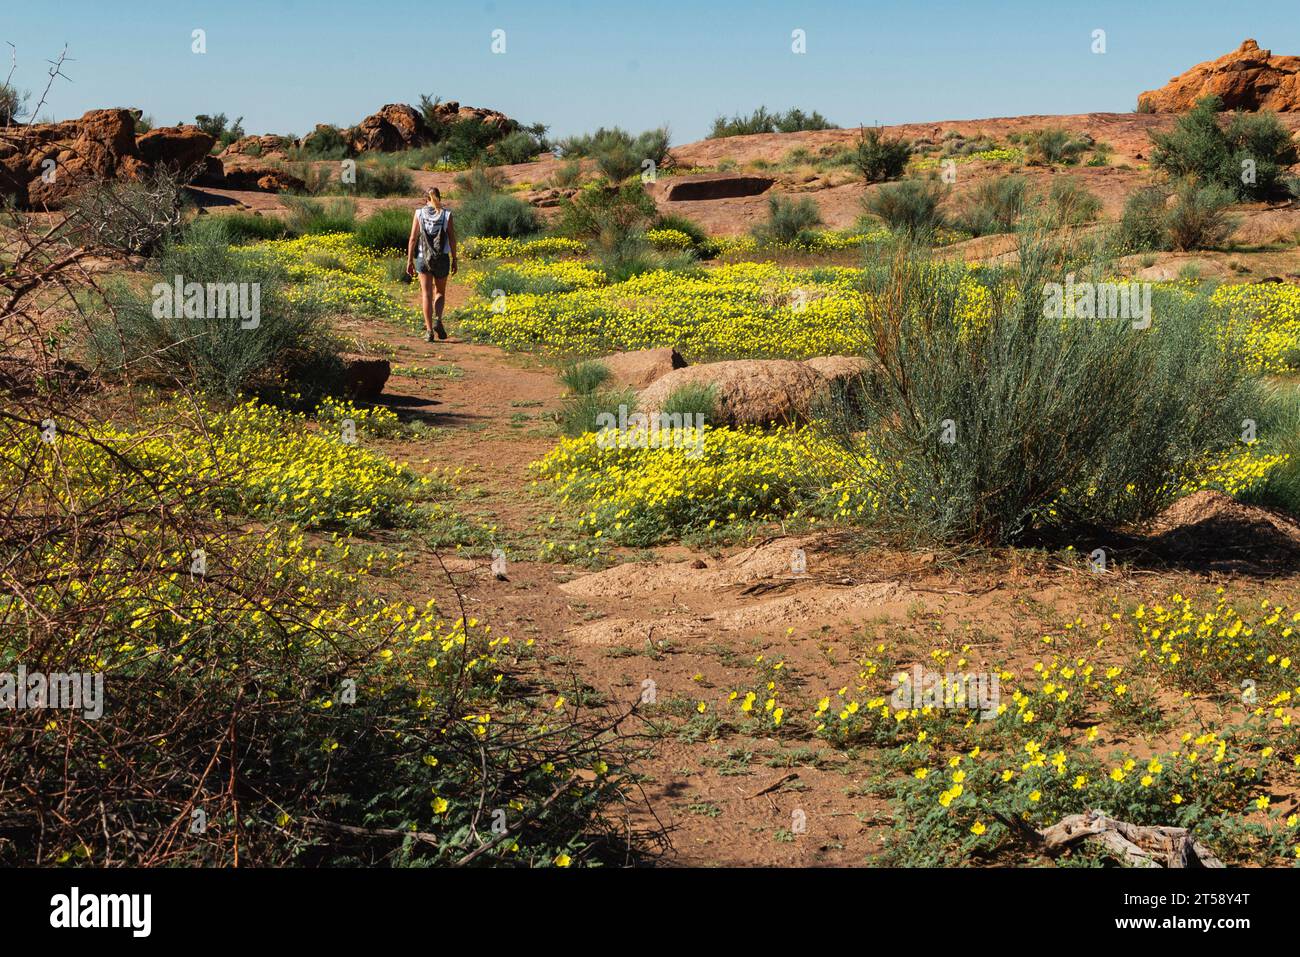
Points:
[[434, 236]]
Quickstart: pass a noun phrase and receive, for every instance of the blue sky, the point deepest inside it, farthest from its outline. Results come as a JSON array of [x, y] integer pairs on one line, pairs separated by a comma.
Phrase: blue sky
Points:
[[285, 65]]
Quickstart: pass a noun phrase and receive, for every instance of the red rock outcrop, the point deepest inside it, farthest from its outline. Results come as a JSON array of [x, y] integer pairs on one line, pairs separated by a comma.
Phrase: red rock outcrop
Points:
[[395, 127], [181, 148], [1248, 78], [398, 126], [43, 164]]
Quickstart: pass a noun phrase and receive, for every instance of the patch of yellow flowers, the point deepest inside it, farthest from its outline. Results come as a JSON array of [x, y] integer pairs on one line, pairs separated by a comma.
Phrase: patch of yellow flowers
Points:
[[334, 269], [254, 460], [632, 494]]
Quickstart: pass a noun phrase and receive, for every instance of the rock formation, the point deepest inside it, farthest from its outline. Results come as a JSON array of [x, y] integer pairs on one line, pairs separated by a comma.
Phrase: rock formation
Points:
[[1248, 78]]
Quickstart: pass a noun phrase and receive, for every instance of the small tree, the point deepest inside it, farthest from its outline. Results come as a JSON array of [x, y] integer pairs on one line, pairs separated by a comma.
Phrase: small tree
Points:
[[13, 102], [1248, 156], [879, 159], [220, 128], [1198, 219]]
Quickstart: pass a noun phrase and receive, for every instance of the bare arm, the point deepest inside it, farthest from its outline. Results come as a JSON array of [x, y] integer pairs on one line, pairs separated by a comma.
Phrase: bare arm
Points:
[[451, 238], [411, 244]]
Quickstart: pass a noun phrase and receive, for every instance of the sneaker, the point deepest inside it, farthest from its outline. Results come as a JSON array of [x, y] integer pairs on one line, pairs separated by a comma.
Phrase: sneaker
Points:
[[428, 335], [438, 328]]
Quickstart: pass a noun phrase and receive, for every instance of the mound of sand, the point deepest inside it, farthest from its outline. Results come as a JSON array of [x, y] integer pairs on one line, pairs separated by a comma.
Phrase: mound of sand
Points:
[[1215, 529]]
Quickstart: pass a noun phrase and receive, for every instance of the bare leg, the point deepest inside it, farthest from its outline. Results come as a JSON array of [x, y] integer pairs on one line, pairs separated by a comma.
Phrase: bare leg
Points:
[[426, 300], [439, 302]]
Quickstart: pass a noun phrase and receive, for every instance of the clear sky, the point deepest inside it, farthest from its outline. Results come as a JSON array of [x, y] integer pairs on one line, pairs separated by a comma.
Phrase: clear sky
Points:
[[285, 65]]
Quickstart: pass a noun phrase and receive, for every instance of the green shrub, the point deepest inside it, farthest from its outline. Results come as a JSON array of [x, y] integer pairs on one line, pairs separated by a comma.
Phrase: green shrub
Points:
[[466, 141], [597, 209], [651, 144], [911, 207], [495, 214], [509, 280], [623, 254], [236, 228], [220, 354], [580, 413], [380, 180], [567, 174], [1277, 424], [249, 227], [221, 129], [1053, 147], [994, 206], [764, 121], [480, 180], [618, 162], [1142, 225], [308, 217], [788, 220], [584, 378], [1200, 147], [589, 144], [324, 142], [701, 243], [1198, 218], [385, 229], [984, 424], [12, 104], [691, 399], [879, 159], [517, 147], [1070, 203]]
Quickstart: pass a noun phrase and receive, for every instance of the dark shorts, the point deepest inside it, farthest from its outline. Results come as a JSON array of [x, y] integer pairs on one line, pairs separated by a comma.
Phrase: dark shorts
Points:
[[439, 268]]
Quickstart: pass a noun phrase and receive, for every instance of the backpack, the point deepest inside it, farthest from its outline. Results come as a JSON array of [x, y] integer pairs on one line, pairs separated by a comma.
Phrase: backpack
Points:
[[433, 228]]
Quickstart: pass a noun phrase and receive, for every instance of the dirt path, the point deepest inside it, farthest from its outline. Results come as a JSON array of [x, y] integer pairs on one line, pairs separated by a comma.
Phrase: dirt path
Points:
[[692, 626]]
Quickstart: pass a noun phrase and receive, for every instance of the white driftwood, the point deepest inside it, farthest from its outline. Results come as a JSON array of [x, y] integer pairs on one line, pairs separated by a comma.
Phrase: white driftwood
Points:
[[1136, 845]]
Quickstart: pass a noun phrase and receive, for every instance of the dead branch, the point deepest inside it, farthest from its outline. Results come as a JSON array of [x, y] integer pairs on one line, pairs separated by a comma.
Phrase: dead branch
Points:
[[1136, 845]]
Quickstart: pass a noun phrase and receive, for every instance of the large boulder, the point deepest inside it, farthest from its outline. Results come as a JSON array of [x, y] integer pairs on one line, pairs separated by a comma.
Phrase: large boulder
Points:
[[450, 112], [636, 370], [395, 127], [1248, 78], [850, 378], [841, 369], [748, 391], [100, 145], [179, 148]]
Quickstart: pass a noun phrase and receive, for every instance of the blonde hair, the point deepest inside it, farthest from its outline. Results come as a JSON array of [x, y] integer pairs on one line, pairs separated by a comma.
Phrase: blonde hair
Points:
[[431, 194]]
